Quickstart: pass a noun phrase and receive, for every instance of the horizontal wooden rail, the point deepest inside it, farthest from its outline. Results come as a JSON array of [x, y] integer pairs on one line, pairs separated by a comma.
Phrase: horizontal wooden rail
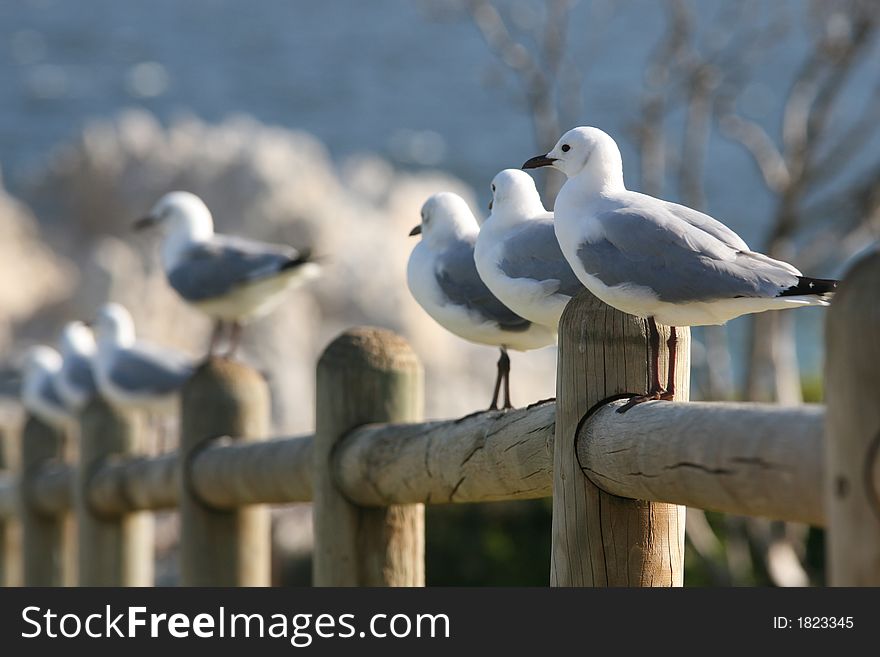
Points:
[[51, 489], [480, 458], [135, 484], [743, 458], [747, 459]]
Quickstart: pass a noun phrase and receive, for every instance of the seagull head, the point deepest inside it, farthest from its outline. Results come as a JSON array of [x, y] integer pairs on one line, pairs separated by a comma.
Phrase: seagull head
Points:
[[445, 217], [514, 194], [77, 338], [180, 213], [39, 361], [114, 326], [587, 151]]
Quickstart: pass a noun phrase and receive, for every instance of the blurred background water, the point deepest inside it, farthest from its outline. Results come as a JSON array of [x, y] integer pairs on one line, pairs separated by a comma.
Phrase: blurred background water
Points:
[[347, 114]]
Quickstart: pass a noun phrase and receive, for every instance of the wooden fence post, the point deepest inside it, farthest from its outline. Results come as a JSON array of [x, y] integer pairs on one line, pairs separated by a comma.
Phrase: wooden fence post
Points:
[[222, 547], [365, 375], [852, 428], [42, 535], [600, 539], [113, 550], [6, 550]]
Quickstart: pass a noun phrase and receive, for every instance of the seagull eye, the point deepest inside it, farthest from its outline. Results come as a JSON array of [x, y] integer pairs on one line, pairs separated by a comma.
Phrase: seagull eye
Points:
[[566, 148], [493, 188]]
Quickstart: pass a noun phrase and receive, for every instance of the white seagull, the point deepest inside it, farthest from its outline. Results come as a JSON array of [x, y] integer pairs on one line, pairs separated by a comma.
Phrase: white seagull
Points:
[[518, 256], [231, 279], [443, 278], [39, 392], [656, 259], [76, 381], [133, 373]]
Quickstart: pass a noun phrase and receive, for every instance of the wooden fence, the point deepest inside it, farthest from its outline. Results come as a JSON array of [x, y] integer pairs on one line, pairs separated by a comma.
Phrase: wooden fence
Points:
[[620, 483]]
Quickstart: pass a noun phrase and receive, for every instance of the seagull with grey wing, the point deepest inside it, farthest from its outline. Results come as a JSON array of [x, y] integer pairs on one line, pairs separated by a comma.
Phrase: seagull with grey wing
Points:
[[39, 390], [132, 373], [518, 256], [443, 278], [656, 259], [231, 279], [76, 381]]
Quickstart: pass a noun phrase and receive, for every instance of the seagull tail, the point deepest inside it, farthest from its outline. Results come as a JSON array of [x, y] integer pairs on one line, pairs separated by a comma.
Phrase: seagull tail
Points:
[[806, 286]]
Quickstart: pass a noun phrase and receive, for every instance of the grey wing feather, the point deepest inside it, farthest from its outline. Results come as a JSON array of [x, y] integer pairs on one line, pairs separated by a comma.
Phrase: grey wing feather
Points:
[[215, 268], [457, 277], [533, 252], [80, 373], [708, 225], [640, 248], [146, 370]]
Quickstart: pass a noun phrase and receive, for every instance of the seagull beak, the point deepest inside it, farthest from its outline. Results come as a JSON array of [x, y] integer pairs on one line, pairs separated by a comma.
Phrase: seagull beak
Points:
[[143, 223], [416, 231], [539, 161]]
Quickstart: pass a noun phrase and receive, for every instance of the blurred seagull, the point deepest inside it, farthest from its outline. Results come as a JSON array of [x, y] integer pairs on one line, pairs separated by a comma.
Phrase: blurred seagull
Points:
[[443, 278], [656, 259], [39, 392], [132, 373], [230, 279], [518, 256], [76, 382]]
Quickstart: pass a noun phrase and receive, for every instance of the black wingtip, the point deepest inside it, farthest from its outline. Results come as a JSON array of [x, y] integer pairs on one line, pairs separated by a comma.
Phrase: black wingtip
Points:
[[807, 286], [304, 257]]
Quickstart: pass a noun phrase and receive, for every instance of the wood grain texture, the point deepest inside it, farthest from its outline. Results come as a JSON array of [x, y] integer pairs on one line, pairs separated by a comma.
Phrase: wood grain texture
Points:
[[852, 438], [125, 484], [747, 459], [365, 375], [600, 539], [496, 455], [221, 547], [42, 534], [114, 550], [228, 475]]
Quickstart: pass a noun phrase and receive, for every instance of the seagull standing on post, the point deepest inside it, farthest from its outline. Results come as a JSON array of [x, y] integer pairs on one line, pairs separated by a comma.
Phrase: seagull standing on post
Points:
[[443, 278], [517, 253], [656, 259], [76, 381], [39, 391], [231, 279], [133, 373]]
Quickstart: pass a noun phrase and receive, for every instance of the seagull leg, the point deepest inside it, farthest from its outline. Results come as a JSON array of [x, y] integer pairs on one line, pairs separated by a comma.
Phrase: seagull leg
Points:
[[671, 347], [494, 405], [234, 338], [504, 364], [656, 391], [216, 334]]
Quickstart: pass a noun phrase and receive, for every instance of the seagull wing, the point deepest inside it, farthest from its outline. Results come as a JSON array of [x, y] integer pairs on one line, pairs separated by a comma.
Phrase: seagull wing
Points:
[[533, 253], [215, 268]]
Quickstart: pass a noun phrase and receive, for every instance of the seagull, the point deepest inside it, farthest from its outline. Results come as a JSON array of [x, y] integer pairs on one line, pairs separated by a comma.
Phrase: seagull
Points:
[[76, 382], [39, 392], [231, 279], [518, 256], [443, 278], [132, 373], [660, 260]]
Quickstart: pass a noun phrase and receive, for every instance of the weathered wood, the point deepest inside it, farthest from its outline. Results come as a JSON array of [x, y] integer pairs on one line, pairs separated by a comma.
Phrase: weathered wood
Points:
[[600, 539], [42, 542], [136, 484], [113, 550], [228, 475], [488, 456], [51, 488], [365, 375], [747, 459], [852, 438], [222, 547]]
